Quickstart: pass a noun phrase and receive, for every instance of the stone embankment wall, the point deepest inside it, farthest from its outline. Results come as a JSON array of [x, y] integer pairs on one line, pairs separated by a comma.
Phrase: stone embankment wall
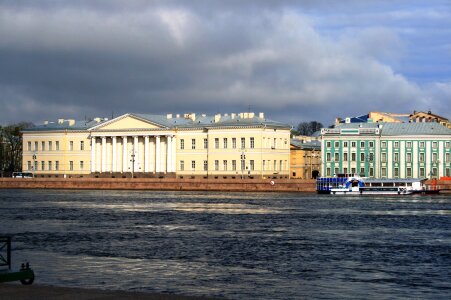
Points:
[[245, 185]]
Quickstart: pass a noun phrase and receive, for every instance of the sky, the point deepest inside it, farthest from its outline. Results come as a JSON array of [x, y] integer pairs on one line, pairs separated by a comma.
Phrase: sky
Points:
[[296, 61]]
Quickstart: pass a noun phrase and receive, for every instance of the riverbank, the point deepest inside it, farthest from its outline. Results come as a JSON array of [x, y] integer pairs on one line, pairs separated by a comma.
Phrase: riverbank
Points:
[[44, 292], [233, 185]]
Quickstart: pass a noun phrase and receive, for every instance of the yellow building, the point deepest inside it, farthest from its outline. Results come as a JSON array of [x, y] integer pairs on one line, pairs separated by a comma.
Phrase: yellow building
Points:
[[243, 145], [305, 159], [425, 117]]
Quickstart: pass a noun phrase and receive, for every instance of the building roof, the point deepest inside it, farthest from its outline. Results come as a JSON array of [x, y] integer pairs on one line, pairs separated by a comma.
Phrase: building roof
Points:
[[190, 121], [310, 145], [395, 129]]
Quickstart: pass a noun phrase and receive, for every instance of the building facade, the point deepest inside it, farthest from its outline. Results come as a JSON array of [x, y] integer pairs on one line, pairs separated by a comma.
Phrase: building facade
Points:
[[387, 150], [305, 159], [242, 145]]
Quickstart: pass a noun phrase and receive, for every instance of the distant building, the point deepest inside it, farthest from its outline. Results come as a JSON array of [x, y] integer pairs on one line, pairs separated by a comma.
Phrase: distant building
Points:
[[387, 150], [244, 145], [427, 117], [305, 159], [375, 116]]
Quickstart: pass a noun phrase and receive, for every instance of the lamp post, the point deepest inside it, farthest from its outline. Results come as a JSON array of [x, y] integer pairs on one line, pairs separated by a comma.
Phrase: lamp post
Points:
[[34, 163], [243, 162]]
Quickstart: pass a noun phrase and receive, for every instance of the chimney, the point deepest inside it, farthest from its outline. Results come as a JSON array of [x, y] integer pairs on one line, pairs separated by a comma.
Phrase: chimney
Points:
[[46, 122], [233, 115], [169, 116], [261, 115], [177, 116], [217, 118], [193, 116], [348, 120], [337, 120], [60, 121], [71, 122], [98, 120]]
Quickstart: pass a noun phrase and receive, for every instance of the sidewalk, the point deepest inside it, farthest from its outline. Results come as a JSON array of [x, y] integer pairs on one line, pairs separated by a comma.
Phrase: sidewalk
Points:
[[20, 292]]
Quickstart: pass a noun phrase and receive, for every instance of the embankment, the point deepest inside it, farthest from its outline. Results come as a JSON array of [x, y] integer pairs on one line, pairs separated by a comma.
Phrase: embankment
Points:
[[241, 185]]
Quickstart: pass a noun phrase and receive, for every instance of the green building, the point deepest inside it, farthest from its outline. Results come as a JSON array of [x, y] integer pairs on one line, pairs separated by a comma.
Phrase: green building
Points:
[[387, 150]]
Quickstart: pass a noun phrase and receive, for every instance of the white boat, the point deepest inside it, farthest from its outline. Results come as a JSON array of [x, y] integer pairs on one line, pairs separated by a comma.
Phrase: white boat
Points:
[[356, 185]]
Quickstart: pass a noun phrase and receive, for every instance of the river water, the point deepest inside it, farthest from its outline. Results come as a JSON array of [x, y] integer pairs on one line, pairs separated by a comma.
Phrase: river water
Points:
[[234, 245]]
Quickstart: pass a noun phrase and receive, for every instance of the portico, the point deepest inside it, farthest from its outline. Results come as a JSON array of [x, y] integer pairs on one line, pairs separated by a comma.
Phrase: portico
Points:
[[144, 153]]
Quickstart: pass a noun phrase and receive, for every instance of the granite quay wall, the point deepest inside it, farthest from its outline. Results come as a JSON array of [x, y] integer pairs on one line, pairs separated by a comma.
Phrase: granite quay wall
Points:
[[241, 185]]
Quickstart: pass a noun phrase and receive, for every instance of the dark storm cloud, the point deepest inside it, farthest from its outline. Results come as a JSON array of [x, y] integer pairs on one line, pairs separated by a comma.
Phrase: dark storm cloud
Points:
[[89, 58]]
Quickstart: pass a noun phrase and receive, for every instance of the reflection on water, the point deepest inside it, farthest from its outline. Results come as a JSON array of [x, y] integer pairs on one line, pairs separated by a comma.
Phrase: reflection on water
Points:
[[234, 245]]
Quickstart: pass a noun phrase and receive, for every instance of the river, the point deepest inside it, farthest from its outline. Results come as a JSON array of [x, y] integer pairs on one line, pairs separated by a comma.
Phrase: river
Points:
[[234, 245]]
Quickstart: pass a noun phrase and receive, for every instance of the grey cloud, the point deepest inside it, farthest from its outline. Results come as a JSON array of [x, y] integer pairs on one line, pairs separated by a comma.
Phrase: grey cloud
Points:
[[92, 58]]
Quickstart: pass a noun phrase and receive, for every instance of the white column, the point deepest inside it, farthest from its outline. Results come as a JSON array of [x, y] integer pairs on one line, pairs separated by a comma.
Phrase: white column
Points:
[[114, 159], [136, 153], [168, 154], [124, 154], [103, 153], [157, 154], [146, 153], [93, 154], [174, 147]]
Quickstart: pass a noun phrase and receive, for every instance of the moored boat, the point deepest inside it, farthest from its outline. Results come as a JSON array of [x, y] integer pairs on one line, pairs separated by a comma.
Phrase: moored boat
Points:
[[346, 184]]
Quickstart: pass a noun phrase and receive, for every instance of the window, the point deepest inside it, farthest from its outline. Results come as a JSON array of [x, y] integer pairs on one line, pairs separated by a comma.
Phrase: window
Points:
[[82, 165], [224, 165], [371, 157], [371, 172], [396, 157], [384, 144], [280, 165], [362, 171], [252, 143], [396, 144], [384, 157], [434, 157], [371, 144], [29, 146], [193, 165], [233, 165], [182, 144], [336, 171], [362, 144], [353, 156], [409, 172], [345, 156], [421, 157], [71, 146], [36, 165], [345, 144], [71, 165], [216, 165], [234, 143], [409, 144], [337, 144], [29, 165], [193, 144], [421, 144], [345, 170], [225, 143], [447, 144], [49, 165], [353, 170], [216, 143], [396, 172], [447, 172], [353, 144], [182, 165], [274, 143], [434, 145], [408, 157], [243, 143], [57, 165], [82, 145], [422, 173], [57, 145], [42, 165], [205, 143], [275, 165], [251, 164], [264, 166], [43, 146], [50, 146], [336, 157], [327, 171], [35, 146], [328, 156], [362, 156], [328, 144], [243, 163], [205, 165], [447, 157], [434, 172]]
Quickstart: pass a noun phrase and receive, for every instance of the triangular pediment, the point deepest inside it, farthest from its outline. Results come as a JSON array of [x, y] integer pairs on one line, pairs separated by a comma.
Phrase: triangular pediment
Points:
[[127, 122]]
